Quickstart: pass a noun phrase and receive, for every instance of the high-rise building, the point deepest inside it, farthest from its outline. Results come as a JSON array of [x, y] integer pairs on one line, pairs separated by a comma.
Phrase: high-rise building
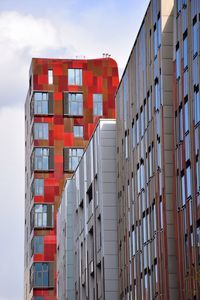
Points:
[[65, 100], [186, 114], [87, 250], [144, 104]]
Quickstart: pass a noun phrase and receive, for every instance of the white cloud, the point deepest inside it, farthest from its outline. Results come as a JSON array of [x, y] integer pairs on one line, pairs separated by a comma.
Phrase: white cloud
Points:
[[11, 203], [21, 38]]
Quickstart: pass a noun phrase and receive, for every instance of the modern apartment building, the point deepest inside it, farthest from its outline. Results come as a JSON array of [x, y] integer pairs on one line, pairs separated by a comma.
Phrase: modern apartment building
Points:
[[186, 112], [65, 100], [87, 250], [144, 103]]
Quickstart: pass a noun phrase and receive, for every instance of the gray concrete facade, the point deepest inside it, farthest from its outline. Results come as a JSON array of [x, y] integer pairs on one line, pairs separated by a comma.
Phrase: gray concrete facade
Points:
[[87, 223]]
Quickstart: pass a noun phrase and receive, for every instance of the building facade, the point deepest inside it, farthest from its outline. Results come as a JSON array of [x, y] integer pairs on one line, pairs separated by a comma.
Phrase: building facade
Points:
[[186, 112], [87, 223], [144, 103], [65, 100]]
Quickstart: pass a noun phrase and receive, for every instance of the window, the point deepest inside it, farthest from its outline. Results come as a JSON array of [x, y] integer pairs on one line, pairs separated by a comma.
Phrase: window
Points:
[[41, 275], [73, 104], [126, 146], [37, 298], [133, 242], [74, 76], [38, 187], [50, 76], [137, 130], [142, 121], [188, 179], [158, 153], [97, 104], [78, 131], [185, 84], [178, 6], [194, 36], [41, 131], [159, 31], [180, 123], [187, 147], [138, 178], [185, 51], [72, 157], [149, 106], [178, 62], [196, 105], [157, 95], [155, 40], [37, 245], [42, 103], [182, 188], [43, 159], [42, 216], [161, 214], [133, 135], [198, 242], [186, 117]]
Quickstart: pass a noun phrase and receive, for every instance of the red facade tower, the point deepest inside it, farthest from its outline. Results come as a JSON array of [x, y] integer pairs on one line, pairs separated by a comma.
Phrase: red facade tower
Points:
[[65, 100]]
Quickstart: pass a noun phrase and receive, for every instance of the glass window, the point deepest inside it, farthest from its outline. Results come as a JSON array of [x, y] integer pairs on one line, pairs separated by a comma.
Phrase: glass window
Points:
[[178, 6], [150, 162], [183, 188], [42, 216], [187, 147], [137, 130], [161, 215], [197, 174], [41, 159], [155, 40], [185, 52], [198, 243], [126, 147], [142, 174], [75, 104], [158, 153], [186, 116], [142, 121], [157, 95], [41, 131], [180, 123], [185, 83], [40, 275], [40, 103], [133, 243], [178, 62], [78, 131], [159, 31], [38, 186], [138, 178], [154, 217], [74, 157], [50, 76], [74, 76], [97, 104], [196, 106], [194, 36], [38, 244], [133, 134], [188, 180], [149, 107]]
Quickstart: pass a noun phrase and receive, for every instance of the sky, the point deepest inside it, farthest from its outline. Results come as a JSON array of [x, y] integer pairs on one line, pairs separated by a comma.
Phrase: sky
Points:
[[45, 28]]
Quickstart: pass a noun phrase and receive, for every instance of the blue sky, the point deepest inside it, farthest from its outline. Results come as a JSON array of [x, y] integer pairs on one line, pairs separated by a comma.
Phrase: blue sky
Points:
[[45, 28]]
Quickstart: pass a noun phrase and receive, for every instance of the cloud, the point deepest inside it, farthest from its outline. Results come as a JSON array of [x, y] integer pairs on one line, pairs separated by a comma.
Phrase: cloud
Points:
[[11, 203], [21, 38]]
